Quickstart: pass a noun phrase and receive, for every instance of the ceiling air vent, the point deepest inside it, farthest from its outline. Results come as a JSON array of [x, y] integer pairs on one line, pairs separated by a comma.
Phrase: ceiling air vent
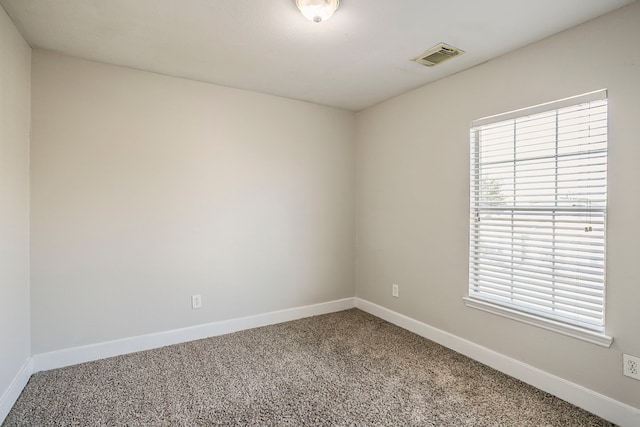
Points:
[[437, 55]]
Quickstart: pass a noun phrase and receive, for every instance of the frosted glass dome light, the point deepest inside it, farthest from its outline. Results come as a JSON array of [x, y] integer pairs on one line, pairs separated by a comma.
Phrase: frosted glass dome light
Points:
[[317, 10]]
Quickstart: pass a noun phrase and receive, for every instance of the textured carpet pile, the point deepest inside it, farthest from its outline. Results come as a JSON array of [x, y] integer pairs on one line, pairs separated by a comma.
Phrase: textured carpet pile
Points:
[[341, 369]]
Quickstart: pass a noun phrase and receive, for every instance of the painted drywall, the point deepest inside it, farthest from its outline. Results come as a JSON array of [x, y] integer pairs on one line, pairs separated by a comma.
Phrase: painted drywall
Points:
[[412, 156], [15, 116], [147, 189]]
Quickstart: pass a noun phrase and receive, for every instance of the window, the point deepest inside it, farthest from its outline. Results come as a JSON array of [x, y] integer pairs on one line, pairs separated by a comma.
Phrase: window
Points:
[[538, 215]]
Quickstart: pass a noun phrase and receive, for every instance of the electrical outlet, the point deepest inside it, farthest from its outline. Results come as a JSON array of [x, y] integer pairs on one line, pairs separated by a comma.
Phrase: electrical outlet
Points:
[[631, 366], [196, 301], [395, 290]]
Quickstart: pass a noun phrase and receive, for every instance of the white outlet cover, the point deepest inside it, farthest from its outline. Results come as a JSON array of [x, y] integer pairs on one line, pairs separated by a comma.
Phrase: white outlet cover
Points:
[[196, 301], [631, 366], [395, 290]]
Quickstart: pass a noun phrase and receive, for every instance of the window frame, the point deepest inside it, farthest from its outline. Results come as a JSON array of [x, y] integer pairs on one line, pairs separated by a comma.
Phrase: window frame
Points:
[[501, 308]]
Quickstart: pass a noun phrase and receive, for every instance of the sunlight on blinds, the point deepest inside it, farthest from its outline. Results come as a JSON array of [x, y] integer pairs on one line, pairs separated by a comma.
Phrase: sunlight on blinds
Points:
[[538, 211]]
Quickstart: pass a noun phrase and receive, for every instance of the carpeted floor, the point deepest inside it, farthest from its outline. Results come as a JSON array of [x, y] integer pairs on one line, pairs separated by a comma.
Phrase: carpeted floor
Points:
[[346, 368]]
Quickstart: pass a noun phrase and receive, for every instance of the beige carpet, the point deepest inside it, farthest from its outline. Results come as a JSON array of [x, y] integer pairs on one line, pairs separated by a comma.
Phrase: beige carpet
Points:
[[341, 369]]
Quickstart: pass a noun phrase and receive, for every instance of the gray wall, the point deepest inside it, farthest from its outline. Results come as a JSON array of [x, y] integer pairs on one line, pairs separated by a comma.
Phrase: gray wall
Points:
[[147, 189], [413, 196], [15, 113]]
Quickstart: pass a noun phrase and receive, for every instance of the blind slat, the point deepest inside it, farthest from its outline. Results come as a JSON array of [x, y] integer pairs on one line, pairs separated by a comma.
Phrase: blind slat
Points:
[[522, 252], [562, 314], [586, 323], [520, 276], [521, 293], [507, 263], [558, 261]]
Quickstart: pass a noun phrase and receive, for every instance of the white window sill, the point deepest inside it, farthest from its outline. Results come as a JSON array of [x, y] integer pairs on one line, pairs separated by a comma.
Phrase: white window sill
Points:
[[572, 331]]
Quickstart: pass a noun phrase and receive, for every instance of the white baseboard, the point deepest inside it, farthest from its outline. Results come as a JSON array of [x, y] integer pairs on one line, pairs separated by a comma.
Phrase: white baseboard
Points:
[[88, 353], [601, 405], [11, 394]]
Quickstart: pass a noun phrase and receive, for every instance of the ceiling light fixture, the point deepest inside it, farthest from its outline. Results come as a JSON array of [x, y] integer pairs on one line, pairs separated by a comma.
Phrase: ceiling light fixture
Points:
[[317, 10]]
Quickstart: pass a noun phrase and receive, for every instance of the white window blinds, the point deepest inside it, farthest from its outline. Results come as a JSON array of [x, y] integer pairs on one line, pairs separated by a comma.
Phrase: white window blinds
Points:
[[538, 210]]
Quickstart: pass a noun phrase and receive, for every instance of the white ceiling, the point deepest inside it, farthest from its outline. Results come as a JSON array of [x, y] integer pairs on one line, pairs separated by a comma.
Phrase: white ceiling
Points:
[[354, 60]]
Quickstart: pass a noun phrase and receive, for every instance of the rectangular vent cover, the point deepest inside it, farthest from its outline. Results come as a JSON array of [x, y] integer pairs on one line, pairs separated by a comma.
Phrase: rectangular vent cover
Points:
[[437, 54]]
